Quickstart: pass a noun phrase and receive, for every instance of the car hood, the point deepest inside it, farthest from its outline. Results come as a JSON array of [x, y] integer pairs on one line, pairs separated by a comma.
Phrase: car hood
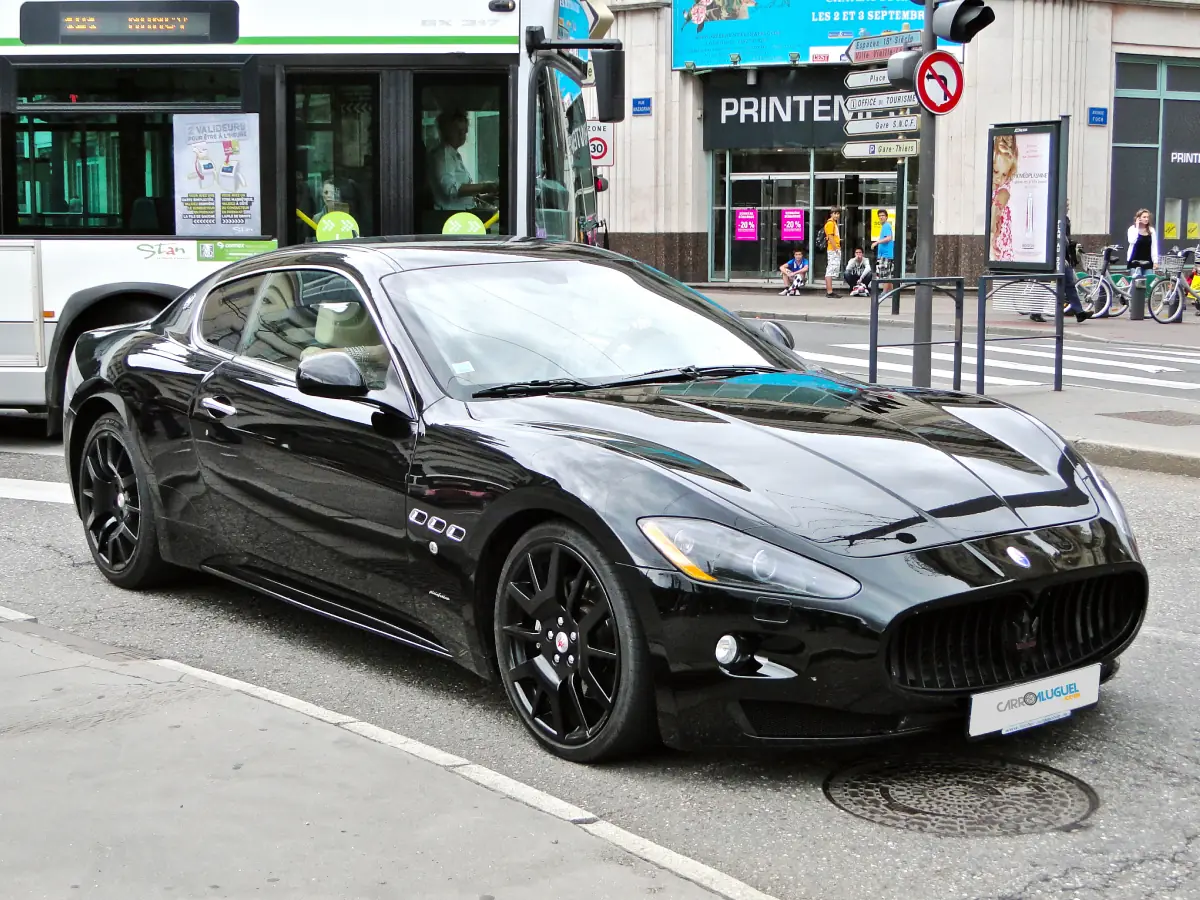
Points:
[[858, 469]]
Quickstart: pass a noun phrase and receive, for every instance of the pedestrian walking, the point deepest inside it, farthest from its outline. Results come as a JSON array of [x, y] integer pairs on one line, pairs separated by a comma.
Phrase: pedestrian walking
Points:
[[858, 274], [795, 273], [885, 251], [833, 251], [1070, 264]]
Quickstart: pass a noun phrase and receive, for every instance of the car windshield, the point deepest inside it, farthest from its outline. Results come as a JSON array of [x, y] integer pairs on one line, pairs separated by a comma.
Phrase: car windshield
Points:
[[479, 326]]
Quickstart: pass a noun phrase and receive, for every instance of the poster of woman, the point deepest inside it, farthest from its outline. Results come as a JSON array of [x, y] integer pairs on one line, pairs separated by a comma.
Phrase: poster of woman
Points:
[[1021, 217]]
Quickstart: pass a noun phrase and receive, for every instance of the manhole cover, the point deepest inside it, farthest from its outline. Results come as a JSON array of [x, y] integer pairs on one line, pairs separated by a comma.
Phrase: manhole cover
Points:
[[1173, 417], [962, 796]]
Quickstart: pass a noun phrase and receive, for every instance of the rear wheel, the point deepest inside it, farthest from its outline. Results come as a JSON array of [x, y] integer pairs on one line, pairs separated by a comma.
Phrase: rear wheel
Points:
[[571, 649], [116, 509], [1095, 295], [1119, 301], [1164, 301]]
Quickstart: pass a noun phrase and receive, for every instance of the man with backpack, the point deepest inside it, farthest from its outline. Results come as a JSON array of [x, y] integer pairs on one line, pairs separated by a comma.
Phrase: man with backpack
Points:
[[831, 242]]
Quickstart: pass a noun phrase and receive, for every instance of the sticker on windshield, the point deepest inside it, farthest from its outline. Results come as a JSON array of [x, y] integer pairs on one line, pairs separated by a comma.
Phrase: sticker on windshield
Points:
[[462, 368]]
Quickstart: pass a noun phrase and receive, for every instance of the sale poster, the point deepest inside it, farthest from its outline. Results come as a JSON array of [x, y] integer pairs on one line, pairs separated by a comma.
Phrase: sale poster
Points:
[[791, 224], [745, 224], [217, 180]]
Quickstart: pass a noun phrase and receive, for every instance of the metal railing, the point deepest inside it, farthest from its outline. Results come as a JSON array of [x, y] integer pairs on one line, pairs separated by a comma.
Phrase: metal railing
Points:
[[955, 288], [982, 340]]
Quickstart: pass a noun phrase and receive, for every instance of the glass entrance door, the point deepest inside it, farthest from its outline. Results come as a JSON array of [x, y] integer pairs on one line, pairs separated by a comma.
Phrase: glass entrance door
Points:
[[766, 203]]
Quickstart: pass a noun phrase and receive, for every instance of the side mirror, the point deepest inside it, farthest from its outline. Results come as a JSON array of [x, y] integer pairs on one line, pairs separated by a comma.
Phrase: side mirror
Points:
[[608, 67], [332, 374], [778, 334]]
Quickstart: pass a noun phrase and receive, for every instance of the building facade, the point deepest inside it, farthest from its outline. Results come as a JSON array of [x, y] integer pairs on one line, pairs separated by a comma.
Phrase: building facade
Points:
[[729, 160]]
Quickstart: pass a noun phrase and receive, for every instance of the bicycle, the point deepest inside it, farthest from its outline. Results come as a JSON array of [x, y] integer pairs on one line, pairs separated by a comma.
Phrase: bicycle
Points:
[[1168, 298], [1099, 293]]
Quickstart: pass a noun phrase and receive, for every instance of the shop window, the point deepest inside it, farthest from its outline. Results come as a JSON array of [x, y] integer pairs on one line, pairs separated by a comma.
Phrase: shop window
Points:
[[109, 84], [1135, 120], [1134, 186], [1185, 79], [460, 152], [779, 160], [95, 173], [1137, 76]]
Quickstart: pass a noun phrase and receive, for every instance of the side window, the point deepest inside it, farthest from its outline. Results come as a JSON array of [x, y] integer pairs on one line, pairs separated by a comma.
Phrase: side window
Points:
[[226, 309], [301, 313]]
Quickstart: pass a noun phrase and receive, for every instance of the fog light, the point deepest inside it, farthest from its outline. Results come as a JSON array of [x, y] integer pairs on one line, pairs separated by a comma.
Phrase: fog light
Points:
[[727, 650]]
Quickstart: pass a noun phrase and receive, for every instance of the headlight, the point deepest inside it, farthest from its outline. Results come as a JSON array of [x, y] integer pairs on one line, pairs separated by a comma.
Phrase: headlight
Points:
[[1118, 511], [713, 554]]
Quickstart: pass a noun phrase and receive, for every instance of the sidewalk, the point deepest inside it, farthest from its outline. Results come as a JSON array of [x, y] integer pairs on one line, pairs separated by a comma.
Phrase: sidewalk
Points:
[[812, 306], [122, 778]]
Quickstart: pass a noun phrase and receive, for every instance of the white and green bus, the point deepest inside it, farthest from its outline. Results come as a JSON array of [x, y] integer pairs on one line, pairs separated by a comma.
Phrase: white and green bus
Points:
[[144, 142]]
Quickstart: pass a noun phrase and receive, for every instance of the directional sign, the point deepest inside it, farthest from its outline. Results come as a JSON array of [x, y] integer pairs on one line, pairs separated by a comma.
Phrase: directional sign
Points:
[[890, 100], [882, 125], [868, 78], [939, 82], [600, 142], [878, 49], [876, 149]]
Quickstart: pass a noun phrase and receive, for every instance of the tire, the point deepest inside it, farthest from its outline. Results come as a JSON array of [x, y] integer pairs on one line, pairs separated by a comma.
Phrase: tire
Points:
[[1095, 295], [117, 509], [1159, 303], [1118, 302], [571, 649]]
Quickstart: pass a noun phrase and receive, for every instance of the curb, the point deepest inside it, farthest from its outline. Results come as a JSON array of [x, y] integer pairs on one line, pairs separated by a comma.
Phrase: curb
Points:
[[1142, 459]]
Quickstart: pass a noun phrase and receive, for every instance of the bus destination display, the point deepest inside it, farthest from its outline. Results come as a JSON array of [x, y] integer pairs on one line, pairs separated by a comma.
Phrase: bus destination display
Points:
[[113, 24]]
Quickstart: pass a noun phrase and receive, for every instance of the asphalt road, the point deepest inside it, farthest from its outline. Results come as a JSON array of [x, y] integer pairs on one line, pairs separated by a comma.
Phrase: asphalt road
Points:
[[1124, 366], [762, 818]]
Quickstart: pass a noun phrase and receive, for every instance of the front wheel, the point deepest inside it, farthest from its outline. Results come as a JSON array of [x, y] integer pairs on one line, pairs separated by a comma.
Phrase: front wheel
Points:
[[1095, 295], [116, 509], [1119, 302], [571, 648], [1165, 303]]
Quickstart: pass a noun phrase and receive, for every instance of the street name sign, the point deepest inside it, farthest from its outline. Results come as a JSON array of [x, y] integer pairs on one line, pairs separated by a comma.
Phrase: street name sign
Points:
[[890, 100], [882, 125], [878, 49], [878, 149], [867, 78]]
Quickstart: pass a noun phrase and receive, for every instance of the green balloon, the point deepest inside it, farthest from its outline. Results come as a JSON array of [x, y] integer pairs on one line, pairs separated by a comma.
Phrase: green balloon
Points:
[[464, 223], [337, 226]]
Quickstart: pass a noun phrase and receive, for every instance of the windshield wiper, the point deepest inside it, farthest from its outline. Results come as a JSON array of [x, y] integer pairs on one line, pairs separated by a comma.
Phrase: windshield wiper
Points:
[[688, 373], [657, 376], [527, 388]]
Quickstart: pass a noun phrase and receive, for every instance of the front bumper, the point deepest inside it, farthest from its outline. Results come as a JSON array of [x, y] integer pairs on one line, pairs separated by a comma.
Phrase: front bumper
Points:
[[928, 631]]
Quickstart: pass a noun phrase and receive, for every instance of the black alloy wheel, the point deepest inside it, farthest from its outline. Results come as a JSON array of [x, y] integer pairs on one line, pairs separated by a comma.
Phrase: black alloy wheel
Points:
[[570, 648], [114, 504]]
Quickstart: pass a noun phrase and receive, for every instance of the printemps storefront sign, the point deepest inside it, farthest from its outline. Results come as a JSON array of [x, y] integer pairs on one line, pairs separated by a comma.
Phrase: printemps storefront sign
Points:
[[786, 108]]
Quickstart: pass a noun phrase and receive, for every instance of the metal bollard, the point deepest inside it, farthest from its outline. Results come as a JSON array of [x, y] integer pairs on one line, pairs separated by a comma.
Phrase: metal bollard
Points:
[[1137, 300]]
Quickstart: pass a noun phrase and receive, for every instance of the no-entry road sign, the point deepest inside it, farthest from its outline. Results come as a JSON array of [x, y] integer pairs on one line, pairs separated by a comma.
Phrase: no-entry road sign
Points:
[[938, 81]]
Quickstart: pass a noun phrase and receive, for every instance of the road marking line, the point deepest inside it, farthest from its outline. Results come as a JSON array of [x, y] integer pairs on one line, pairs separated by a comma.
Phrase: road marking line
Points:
[[14, 615], [685, 867], [1159, 355], [942, 374], [1042, 354], [1069, 373], [43, 491]]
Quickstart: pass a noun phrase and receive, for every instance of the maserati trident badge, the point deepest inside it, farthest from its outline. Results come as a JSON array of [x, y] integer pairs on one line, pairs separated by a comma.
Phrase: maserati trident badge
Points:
[[1019, 558]]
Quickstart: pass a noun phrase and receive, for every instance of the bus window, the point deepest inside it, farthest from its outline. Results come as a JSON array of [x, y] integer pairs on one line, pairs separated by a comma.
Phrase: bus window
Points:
[[335, 156], [104, 166], [564, 189], [461, 152]]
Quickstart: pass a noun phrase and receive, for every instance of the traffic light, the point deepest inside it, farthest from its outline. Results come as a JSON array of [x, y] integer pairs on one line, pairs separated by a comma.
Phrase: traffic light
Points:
[[958, 21]]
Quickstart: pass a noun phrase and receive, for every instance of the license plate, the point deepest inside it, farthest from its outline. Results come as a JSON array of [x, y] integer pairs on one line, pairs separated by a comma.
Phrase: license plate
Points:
[[1034, 703]]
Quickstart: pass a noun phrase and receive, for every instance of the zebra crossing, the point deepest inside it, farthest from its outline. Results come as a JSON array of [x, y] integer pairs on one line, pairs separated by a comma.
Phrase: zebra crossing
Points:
[[1141, 369]]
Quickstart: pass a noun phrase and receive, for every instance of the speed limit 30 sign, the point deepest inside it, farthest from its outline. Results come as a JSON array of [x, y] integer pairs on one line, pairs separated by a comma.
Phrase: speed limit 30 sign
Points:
[[600, 142]]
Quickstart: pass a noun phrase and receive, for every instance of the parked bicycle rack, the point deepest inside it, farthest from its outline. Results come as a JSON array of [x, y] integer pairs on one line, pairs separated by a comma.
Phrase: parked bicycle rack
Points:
[[1025, 286], [955, 288]]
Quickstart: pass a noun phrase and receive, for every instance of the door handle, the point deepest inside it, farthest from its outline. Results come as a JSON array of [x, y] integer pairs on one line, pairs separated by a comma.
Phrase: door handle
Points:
[[218, 407]]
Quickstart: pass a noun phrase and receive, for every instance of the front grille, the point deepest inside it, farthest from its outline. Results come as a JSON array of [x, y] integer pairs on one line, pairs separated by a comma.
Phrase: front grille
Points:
[[1016, 637]]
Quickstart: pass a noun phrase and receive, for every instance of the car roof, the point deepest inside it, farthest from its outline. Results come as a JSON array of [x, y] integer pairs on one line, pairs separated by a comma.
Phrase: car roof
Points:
[[426, 252]]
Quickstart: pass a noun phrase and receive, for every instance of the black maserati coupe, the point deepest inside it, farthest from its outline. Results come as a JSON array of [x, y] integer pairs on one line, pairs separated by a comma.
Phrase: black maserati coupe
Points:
[[650, 519]]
